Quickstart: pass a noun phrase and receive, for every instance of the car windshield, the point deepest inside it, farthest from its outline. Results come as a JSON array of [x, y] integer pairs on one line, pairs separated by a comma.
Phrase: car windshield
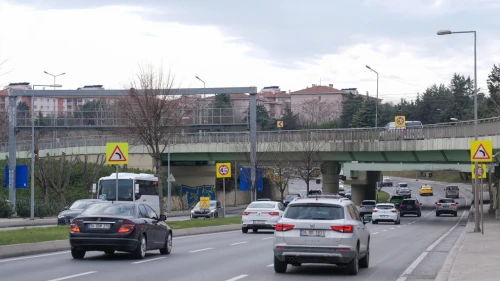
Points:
[[81, 205], [446, 201], [385, 206], [314, 212], [110, 209], [291, 196], [372, 203], [261, 205], [452, 187]]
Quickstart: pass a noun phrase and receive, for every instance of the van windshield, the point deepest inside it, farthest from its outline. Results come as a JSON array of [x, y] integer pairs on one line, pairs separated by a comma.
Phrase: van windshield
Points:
[[452, 187]]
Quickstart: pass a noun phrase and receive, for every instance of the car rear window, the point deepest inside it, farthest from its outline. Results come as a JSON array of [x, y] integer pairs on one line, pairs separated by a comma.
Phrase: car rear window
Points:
[[107, 209], [452, 187], [409, 202], [368, 203], [385, 206], [446, 201], [396, 198], [403, 185], [314, 212], [261, 205]]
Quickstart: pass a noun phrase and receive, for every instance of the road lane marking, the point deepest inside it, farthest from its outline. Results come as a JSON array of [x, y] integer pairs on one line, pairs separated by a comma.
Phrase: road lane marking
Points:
[[207, 234], [384, 230], [138, 262], [415, 263], [238, 277], [392, 227], [73, 276], [35, 256], [201, 250], [238, 243], [267, 238], [376, 233], [399, 225]]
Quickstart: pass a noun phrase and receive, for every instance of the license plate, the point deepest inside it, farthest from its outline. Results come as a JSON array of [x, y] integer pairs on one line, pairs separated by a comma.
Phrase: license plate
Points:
[[446, 206], [384, 216], [315, 233], [99, 225], [259, 222]]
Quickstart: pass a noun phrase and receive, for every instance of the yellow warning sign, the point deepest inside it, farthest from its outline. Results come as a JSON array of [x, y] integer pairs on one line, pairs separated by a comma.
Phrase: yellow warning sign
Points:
[[400, 121], [481, 171], [481, 151], [204, 203], [116, 153]]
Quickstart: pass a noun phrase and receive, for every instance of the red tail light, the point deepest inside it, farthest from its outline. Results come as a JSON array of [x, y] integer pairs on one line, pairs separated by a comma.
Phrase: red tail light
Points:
[[401, 206], [453, 204], [438, 204], [393, 210], [74, 227], [375, 210], [126, 227], [284, 227], [343, 228], [248, 213], [273, 213]]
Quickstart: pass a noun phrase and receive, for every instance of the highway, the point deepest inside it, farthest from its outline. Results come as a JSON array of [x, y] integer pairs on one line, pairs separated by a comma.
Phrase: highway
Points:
[[415, 249]]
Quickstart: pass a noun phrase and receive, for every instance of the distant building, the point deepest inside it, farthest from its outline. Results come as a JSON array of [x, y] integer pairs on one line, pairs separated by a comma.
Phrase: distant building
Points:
[[275, 100]]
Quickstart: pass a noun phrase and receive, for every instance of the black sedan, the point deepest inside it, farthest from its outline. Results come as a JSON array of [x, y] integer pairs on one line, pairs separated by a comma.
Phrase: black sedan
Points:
[[119, 226], [65, 217]]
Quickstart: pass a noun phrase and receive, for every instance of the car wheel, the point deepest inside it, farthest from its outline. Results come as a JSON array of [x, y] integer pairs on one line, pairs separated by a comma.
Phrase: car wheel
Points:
[[244, 230], [109, 252], [455, 214], [437, 214], [353, 266], [365, 261], [77, 254], [279, 266], [255, 230], [168, 245], [419, 215], [140, 251], [374, 222]]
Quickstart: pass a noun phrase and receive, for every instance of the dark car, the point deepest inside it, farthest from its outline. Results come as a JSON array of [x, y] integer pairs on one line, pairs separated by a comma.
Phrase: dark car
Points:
[[410, 206], [119, 226], [289, 198], [348, 195], [65, 217]]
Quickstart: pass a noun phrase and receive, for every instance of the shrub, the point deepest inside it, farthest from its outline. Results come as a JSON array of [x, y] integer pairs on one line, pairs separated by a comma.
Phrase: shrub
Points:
[[5, 208]]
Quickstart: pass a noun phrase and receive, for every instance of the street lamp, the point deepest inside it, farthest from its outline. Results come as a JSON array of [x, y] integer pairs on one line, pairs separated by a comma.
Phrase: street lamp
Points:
[[32, 207], [54, 76], [476, 191], [376, 104]]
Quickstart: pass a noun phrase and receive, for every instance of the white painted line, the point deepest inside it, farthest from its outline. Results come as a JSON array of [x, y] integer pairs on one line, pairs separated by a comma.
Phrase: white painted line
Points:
[[208, 234], [384, 230], [401, 279], [35, 256], [201, 250], [238, 243], [73, 276], [270, 265], [138, 262], [238, 277], [375, 232], [415, 263], [392, 227], [399, 225], [267, 238]]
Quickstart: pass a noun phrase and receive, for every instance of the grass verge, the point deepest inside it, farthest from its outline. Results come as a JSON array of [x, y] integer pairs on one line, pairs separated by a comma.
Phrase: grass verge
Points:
[[43, 234], [442, 176], [383, 196]]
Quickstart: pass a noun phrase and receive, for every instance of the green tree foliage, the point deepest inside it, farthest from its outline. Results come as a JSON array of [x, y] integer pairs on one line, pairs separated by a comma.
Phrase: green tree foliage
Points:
[[351, 104], [290, 120], [365, 116]]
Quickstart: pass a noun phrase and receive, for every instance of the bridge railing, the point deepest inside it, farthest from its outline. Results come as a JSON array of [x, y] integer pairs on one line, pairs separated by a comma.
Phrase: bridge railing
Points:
[[485, 127]]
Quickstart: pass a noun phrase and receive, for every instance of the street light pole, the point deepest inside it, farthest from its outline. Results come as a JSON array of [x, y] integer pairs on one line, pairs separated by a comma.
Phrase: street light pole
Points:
[[54, 135], [376, 103], [477, 227]]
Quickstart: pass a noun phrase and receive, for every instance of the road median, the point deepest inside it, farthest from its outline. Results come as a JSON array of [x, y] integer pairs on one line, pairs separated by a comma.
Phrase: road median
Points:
[[31, 241]]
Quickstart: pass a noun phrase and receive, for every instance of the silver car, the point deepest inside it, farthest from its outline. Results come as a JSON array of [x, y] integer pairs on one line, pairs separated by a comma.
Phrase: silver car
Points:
[[322, 230], [452, 191], [446, 206], [261, 215]]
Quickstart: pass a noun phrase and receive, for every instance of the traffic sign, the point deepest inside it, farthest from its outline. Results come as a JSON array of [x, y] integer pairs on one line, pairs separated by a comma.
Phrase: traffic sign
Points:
[[223, 170], [204, 203], [400, 121], [171, 178], [481, 171], [279, 124], [116, 153], [481, 151]]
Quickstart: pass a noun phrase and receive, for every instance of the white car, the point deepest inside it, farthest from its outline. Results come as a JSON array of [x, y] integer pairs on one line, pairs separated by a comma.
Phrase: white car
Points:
[[385, 212], [261, 215]]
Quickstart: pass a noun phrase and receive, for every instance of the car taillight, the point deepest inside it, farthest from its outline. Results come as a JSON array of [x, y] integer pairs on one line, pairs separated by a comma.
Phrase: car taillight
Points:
[[284, 227], [453, 204], [126, 227], [375, 210], [74, 227], [273, 213], [393, 210], [401, 205], [248, 213], [438, 204], [343, 228]]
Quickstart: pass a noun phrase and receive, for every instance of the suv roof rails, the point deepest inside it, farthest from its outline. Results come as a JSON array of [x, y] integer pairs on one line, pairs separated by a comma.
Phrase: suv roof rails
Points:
[[327, 195]]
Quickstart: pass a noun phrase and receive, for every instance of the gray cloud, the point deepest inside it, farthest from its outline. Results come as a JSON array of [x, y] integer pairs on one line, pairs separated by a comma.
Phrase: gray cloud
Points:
[[285, 31]]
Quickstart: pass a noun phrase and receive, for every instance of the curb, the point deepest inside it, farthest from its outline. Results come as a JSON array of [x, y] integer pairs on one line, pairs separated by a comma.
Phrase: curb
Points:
[[17, 250], [445, 270]]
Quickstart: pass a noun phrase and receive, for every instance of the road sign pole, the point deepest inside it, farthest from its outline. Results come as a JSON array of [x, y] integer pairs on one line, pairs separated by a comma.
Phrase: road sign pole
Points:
[[116, 194], [224, 192], [482, 206]]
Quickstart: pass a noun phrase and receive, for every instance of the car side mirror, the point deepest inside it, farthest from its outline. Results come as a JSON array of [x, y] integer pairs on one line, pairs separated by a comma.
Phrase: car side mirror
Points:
[[367, 219], [163, 218]]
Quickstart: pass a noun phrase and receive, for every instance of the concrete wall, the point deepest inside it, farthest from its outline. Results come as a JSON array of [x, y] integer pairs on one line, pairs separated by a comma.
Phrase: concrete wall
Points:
[[193, 175]]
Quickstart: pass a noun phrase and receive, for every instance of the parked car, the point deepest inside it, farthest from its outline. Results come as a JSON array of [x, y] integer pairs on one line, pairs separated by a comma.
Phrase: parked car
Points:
[[366, 207], [410, 206], [111, 226], [213, 212], [452, 191], [446, 206], [290, 197], [322, 230], [65, 217], [261, 215], [385, 212]]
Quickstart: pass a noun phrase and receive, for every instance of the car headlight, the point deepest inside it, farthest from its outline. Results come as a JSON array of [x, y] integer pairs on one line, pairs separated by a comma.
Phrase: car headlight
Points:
[[192, 211], [61, 216], [211, 211]]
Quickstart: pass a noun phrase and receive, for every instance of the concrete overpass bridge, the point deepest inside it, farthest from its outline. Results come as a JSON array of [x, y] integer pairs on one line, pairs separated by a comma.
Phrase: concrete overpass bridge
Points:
[[444, 146]]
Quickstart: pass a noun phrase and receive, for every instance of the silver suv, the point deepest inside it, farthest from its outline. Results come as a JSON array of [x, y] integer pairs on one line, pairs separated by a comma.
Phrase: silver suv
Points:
[[322, 230], [446, 206]]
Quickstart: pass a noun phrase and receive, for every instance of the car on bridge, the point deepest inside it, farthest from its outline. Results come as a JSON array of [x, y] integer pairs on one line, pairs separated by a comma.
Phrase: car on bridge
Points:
[[322, 230], [426, 190], [446, 206]]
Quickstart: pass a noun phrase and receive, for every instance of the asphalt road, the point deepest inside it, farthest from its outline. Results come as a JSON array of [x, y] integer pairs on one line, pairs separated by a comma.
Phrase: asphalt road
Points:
[[415, 249]]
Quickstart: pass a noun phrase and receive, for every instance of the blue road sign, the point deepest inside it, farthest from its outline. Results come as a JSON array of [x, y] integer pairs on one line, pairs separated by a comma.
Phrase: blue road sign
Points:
[[21, 176], [245, 182]]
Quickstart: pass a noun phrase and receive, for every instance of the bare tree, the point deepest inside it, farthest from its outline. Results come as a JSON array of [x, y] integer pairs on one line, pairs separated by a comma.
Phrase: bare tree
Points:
[[315, 112], [280, 166], [90, 171], [55, 171], [153, 113], [307, 147]]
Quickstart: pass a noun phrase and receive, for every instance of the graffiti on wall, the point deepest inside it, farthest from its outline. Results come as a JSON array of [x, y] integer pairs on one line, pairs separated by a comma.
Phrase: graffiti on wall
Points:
[[193, 194]]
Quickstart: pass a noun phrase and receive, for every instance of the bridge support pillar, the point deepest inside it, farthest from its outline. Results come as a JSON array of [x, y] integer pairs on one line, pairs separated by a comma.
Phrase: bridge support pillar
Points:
[[366, 191], [330, 172]]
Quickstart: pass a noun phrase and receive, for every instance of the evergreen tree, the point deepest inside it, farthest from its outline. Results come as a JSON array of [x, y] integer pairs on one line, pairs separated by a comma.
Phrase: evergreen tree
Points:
[[350, 105], [365, 116]]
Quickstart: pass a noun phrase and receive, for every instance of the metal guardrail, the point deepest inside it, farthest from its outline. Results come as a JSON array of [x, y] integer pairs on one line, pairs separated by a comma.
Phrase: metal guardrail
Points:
[[465, 129]]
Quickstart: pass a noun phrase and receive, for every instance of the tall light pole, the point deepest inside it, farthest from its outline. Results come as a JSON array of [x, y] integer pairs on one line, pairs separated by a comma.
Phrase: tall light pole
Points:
[[376, 104], [54, 135], [32, 205], [477, 228]]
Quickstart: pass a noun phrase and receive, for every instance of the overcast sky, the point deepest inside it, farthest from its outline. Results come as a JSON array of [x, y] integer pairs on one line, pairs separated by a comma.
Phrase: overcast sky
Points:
[[287, 43]]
